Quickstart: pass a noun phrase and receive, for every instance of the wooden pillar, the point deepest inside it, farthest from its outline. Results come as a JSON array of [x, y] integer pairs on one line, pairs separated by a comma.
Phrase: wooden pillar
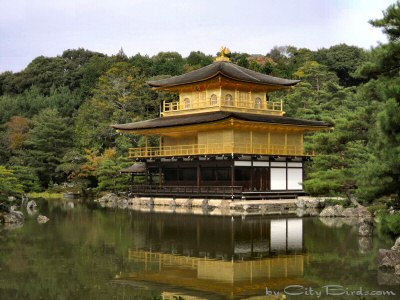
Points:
[[251, 141], [161, 145], [146, 146], [198, 176], [160, 176], [233, 173], [287, 173], [286, 147], [252, 178]]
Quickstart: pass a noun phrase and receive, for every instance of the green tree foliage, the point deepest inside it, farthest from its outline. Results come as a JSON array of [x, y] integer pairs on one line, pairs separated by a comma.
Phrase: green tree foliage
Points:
[[240, 59], [390, 23], [120, 96], [344, 61], [196, 60], [46, 72], [381, 176], [31, 102], [315, 74], [27, 178], [46, 144], [144, 64], [4, 149], [167, 63], [9, 185], [109, 175]]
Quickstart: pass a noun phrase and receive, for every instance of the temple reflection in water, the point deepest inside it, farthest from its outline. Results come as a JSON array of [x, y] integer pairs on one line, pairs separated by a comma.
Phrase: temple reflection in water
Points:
[[231, 259]]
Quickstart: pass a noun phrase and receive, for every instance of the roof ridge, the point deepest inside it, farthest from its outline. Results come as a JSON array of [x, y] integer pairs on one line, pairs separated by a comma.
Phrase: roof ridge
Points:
[[239, 68]]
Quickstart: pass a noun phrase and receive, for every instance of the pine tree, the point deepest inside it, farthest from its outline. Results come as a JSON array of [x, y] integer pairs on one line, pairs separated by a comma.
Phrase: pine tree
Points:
[[381, 176], [46, 144]]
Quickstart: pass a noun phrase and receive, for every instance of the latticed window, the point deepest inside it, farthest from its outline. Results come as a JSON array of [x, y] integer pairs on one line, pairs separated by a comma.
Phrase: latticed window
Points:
[[186, 102], [258, 103], [213, 99], [229, 100]]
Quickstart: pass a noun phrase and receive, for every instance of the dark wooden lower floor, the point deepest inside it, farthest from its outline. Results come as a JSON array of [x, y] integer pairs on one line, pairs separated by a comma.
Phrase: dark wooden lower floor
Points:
[[248, 178]]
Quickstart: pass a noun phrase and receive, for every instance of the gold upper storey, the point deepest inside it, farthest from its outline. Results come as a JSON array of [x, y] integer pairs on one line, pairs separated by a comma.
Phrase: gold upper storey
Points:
[[222, 94]]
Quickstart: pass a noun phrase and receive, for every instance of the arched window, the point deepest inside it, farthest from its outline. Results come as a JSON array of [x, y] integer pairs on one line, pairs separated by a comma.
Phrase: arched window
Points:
[[258, 103], [186, 102], [213, 99], [229, 100]]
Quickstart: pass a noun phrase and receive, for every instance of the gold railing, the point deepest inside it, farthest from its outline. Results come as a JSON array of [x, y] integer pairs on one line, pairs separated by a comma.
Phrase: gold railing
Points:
[[176, 107], [210, 149]]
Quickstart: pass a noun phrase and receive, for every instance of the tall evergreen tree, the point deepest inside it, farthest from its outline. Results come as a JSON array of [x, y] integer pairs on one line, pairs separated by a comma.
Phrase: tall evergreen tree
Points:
[[46, 144], [381, 176]]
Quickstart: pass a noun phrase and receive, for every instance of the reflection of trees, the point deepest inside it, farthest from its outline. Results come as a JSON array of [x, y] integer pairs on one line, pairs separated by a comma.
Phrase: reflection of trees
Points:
[[74, 256], [336, 257]]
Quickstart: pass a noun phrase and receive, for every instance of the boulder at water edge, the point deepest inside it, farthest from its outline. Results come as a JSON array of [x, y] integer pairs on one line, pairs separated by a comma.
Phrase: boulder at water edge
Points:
[[13, 217], [366, 228], [396, 246], [388, 259], [332, 211], [42, 219]]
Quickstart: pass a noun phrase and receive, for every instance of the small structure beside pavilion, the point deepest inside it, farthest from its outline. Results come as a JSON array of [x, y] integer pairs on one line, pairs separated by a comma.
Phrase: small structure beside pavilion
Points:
[[223, 137]]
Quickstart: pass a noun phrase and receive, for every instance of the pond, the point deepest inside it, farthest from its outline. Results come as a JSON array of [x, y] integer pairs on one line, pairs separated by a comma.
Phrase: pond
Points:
[[89, 252]]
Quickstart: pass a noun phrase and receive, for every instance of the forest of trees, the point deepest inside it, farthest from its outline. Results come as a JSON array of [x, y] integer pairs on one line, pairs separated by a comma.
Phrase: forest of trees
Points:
[[55, 115]]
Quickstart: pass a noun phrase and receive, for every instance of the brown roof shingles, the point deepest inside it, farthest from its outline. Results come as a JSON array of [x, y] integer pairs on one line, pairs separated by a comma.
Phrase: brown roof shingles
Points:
[[227, 69], [202, 118]]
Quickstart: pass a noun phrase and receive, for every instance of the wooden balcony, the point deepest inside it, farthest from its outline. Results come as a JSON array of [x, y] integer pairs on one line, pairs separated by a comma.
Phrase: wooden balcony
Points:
[[197, 106], [217, 149]]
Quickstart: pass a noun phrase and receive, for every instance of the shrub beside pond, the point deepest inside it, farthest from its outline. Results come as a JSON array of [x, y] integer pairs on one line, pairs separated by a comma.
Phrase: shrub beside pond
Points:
[[389, 224]]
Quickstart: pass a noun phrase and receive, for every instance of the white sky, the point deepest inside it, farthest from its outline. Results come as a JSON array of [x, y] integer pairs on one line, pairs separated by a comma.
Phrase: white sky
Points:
[[29, 28]]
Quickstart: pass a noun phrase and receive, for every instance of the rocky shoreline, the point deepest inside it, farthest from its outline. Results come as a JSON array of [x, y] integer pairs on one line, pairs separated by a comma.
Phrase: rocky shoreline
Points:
[[13, 218], [332, 216], [302, 206], [389, 265]]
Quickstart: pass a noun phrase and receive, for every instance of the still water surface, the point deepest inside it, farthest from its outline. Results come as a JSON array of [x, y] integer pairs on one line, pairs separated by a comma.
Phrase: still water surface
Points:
[[88, 252]]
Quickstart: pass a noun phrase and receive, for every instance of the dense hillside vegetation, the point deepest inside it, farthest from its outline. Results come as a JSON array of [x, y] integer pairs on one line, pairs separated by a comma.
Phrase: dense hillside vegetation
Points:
[[55, 115]]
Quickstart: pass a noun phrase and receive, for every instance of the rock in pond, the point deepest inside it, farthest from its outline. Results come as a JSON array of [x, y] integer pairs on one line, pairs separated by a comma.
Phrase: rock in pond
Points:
[[42, 219], [332, 211], [388, 259], [388, 278], [366, 228], [365, 244], [13, 217], [350, 212], [397, 270], [309, 202], [111, 198], [31, 205], [396, 246]]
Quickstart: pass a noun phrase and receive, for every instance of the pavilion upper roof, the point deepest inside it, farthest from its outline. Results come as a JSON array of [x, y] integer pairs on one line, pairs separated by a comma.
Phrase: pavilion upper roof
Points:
[[226, 69]]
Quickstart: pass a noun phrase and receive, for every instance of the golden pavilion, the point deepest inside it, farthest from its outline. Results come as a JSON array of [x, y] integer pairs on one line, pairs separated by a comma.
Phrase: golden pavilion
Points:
[[222, 138]]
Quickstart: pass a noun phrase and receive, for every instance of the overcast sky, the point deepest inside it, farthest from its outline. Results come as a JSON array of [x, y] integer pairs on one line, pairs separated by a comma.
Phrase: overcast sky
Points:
[[29, 28]]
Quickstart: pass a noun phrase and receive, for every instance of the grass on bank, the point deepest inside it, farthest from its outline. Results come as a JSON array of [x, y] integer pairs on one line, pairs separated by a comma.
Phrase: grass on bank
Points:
[[47, 195]]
